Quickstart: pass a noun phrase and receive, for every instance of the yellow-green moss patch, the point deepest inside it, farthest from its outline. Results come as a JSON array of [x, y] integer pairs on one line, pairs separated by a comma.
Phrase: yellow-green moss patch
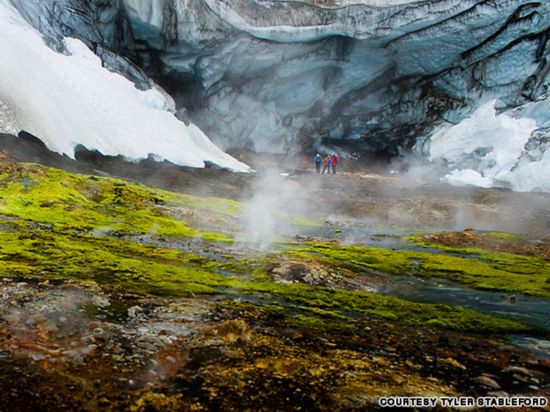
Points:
[[476, 268], [65, 226], [87, 203]]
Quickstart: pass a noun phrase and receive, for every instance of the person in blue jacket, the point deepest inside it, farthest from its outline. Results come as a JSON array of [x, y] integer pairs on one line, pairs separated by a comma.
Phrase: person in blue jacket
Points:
[[317, 159]]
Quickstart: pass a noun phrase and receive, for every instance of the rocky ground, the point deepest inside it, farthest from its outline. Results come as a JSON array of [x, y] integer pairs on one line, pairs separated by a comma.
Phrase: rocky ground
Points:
[[192, 315], [136, 353]]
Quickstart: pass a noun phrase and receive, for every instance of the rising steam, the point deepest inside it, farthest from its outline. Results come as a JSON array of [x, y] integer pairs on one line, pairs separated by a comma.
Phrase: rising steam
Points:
[[269, 212]]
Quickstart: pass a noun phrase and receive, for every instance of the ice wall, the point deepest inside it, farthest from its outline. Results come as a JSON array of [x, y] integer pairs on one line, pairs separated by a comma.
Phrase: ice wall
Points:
[[369, 75], [377, 75]]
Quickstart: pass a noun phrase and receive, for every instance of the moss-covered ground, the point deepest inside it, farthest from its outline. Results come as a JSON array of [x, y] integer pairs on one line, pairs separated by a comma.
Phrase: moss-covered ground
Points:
[[119, 296], [88, 203], [474, 267], [69, 226]]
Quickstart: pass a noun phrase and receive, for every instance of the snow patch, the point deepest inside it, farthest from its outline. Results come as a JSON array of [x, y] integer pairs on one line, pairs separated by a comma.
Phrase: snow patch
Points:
[[7, 120], [467, 177], [68, 100], [485, 150]]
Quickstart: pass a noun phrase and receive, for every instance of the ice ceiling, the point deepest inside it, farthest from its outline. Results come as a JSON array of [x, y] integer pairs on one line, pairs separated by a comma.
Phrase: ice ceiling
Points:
[[378, 76]]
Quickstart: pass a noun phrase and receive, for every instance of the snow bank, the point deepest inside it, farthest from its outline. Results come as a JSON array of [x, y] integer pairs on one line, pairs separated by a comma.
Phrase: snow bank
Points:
[[489, 150], [71, 100]]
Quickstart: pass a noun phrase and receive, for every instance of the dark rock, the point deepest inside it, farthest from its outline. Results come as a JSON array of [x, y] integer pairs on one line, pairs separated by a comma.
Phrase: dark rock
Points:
[[520, 378], [498, 394], [94, 22], [125, 67], [200, 357]]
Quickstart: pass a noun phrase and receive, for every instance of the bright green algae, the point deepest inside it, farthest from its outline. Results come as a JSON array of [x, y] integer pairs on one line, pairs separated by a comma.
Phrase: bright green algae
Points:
[[477, 268], [157, 271], [63, 226], [87, 203]]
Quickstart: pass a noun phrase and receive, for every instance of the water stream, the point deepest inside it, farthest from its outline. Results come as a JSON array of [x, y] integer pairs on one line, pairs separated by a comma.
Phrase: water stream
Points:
[[531, 309], [534, 310]]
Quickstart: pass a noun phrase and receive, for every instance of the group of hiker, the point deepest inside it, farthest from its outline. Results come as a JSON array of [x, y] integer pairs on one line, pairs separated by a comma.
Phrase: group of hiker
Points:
[[329, 161]]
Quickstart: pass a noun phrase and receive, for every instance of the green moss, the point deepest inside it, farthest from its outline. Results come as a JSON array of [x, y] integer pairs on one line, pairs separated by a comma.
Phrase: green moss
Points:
[[230, 265], [323, 312], [216, 237], [494, 271], [338, 303], [219, 205], [355, 258], [311, 322], [490, 270], [477, 268], [297, 220], [503, 236], [108, 205], [138, 268], [61, 226], [323, 308], [164, 272]]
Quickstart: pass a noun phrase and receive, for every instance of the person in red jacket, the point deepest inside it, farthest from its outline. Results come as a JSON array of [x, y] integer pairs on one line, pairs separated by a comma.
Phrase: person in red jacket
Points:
[[333, 162]]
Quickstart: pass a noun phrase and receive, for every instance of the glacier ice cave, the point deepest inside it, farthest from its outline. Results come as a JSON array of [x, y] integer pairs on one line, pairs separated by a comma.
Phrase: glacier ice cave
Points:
[[462, 83]]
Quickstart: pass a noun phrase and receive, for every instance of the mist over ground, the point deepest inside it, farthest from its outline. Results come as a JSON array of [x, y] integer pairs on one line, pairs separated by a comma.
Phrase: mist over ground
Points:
[[276, 202], [401, 196]]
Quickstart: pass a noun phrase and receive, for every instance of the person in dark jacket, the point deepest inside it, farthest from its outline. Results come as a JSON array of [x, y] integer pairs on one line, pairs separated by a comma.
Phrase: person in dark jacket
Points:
[[318, 160]]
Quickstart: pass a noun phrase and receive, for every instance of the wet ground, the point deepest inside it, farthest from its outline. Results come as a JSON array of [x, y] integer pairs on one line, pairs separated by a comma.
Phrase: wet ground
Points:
[[85, 345], [80, 347]]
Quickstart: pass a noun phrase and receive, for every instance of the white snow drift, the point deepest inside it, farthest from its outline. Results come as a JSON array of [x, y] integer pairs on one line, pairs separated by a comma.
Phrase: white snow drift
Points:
[[488, 150], [71, 100]]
